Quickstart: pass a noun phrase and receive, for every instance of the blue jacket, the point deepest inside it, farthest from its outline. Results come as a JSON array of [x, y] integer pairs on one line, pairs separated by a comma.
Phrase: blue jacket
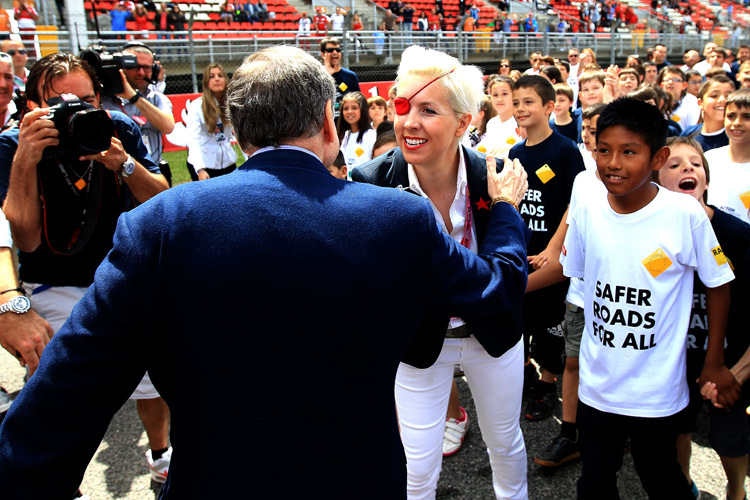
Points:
[[314, 283]]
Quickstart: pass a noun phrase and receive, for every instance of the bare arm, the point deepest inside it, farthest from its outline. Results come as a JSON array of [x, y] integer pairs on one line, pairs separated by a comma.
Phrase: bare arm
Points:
[[714, 369], [161, 120], [22, 205], [142, 183], [26, 335]]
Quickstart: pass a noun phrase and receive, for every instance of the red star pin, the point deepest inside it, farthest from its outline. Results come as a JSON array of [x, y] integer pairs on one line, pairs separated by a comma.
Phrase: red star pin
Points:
[[481, 204]]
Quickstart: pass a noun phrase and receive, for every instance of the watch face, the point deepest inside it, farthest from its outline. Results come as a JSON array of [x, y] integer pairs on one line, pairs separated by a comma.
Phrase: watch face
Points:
[[129, 166], [20, 304]]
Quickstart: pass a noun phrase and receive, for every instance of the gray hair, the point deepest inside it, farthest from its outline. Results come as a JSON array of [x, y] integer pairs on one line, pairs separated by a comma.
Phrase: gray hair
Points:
[[464, 85], [278, 93]]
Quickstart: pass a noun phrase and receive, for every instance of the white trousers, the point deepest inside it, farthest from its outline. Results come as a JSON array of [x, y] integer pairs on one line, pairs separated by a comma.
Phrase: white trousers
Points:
[[496, 385]]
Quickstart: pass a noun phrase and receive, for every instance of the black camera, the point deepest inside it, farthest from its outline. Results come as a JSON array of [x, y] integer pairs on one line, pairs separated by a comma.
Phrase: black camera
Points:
[[82, 128], [107, 67]]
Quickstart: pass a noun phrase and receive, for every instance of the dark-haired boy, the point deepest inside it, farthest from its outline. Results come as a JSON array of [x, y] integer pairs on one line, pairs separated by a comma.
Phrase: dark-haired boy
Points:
[[638, 247], [563, 123], [552, 163]]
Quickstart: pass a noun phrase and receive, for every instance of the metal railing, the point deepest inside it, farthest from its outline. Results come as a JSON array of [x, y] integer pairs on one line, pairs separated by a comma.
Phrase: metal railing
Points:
[[186, 53]]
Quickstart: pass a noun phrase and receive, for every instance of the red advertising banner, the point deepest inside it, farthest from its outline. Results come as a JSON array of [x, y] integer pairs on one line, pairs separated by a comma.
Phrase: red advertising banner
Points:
[[177, 140]]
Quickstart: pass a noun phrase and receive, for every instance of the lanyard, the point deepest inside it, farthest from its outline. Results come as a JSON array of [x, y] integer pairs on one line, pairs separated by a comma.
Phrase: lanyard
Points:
[[466, 240]]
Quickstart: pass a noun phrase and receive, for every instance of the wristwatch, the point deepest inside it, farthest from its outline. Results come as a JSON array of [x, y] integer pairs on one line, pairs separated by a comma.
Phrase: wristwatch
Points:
[[135, 97], [128, 167], [18, 305]]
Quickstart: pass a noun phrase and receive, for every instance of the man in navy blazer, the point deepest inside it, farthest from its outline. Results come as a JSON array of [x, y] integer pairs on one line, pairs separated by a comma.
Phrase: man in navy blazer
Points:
[[264, 257]]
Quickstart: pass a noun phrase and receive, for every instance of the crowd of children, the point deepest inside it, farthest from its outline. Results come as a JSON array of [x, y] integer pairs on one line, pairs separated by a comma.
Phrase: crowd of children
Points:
[[647, 311]]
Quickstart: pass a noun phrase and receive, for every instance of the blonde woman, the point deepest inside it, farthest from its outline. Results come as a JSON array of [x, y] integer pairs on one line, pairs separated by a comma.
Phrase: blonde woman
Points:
[[436, 99], [210, 151]]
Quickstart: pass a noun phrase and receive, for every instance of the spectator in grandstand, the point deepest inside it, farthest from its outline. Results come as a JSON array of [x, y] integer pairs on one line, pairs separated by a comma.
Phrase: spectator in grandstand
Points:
[[337, 20], [303, 31], [321, 21], [140, 16], [226, 11], [120, 16], [407, 14], [530, 25], [26, 15], [574, 58], [210, 134], [346, 80], [16, 50], [588, 60], [163, 25], [433, 164], [178, 23]]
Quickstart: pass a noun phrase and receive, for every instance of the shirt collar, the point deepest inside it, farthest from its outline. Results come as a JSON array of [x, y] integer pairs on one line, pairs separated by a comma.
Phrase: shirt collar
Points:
[[461, 180], [285, 147]]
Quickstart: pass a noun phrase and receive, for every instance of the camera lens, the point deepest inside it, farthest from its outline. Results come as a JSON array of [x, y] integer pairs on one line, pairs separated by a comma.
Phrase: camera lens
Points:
[[91, 130]]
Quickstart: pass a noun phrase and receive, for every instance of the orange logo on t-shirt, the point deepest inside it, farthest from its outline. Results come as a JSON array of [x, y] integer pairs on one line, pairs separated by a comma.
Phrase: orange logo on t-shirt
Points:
[[745, 197], [545, 174], [657, 263]]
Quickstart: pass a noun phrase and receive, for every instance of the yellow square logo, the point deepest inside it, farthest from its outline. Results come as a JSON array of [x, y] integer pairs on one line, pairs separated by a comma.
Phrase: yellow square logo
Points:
[[657, 263], [343, 87], [745, 197], [545, 174], [511, 140], [359, 152], [482, 149], [718, 253], [675, 118]]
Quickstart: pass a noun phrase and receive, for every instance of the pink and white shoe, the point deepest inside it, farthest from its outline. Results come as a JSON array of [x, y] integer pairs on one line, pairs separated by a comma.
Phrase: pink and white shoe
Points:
[[455, 432]]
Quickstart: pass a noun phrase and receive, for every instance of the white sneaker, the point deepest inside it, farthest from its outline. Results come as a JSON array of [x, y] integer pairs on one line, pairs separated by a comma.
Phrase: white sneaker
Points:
[[455, 432], [160, 468]]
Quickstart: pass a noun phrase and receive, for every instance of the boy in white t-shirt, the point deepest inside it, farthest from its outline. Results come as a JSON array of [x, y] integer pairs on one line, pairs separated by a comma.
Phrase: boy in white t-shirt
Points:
[[638, 248], [730, 165]]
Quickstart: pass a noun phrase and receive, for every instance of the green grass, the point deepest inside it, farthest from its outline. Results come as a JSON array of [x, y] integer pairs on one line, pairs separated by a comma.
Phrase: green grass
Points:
[[177, 160]]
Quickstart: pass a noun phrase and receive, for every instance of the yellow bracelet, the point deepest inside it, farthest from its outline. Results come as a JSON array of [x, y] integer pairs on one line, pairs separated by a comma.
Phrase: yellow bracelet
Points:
[[505, 199]]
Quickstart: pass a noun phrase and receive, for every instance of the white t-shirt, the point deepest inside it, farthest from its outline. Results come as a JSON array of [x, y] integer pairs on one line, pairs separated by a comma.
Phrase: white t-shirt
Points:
[[500, 136], [586, 187], [357, 153], [729, 188], [637, 299], [688, 112], [337, 22], [208, 149], [588, 159]]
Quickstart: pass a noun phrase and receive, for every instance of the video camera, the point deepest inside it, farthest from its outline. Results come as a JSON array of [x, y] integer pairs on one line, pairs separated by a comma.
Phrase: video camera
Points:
[[83, 129], [107, 67]]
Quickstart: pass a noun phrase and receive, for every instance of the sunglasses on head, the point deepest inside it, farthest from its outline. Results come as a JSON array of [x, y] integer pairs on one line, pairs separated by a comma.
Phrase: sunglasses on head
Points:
[[333, 49], [13, 52], [402, 105]]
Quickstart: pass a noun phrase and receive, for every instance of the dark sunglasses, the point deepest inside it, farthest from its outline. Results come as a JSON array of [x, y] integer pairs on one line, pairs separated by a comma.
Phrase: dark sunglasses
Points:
[[333, 49], [13, 52], [505, 65]]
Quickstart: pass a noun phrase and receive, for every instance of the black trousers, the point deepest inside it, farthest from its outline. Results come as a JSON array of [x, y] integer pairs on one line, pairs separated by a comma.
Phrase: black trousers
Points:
[[653, 444]]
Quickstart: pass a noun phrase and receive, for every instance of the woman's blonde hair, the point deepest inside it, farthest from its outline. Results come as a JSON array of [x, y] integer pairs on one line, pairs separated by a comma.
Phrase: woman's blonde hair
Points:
[[213, 107], [464, 83]]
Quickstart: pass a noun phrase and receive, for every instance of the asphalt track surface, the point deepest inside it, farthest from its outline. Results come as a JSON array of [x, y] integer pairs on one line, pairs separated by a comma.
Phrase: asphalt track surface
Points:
[[119, 471]]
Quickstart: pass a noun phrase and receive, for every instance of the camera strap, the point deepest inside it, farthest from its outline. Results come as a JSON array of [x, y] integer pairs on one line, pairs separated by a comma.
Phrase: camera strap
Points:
[[69, 214]]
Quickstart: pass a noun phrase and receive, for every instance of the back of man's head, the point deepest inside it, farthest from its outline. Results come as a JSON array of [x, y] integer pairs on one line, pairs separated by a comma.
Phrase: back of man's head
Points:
[[637, 117], [278, 94]]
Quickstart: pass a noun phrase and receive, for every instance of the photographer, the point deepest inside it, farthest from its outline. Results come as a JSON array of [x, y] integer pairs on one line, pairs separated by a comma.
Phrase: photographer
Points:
[[148, 108], [63, 207]]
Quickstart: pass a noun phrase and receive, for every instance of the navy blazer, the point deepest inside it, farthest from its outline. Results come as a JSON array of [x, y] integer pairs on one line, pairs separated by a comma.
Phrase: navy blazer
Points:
[[496, 332], [231, 290]]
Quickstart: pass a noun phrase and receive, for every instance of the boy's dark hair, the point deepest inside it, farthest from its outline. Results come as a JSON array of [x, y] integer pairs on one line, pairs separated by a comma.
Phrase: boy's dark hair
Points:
[[538, 84], [691, 73], [339, 161], [384, 128], [629, 71], [648, 63], [592, 111], [553, 74], [384, 138], [710, 82], [563, 89], [638, 117], [740, 98], [564, 64]]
